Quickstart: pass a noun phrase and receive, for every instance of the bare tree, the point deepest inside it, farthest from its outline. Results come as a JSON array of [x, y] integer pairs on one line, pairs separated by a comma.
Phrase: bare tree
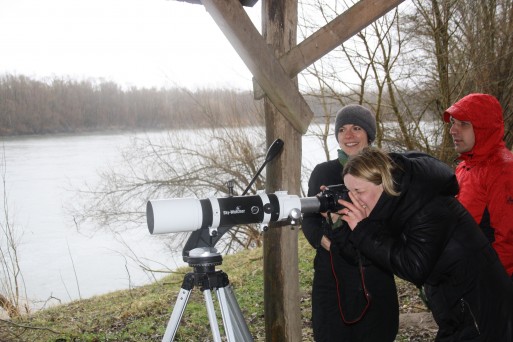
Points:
[[486, 41], [466, 47], [371, 69], [196, 163]]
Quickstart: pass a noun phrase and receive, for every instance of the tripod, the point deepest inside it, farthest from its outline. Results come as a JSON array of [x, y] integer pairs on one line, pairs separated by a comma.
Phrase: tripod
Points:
[[204, 260]]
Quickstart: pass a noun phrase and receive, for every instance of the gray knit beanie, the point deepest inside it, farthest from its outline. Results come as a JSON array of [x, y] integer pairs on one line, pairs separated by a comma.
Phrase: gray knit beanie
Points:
[[359, 116]]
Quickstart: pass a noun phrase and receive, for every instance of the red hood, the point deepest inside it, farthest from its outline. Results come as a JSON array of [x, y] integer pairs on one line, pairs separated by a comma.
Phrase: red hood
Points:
[[485, 114]]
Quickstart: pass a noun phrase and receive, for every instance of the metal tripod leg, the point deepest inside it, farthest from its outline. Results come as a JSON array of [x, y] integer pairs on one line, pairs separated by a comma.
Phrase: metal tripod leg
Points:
[[233, 320], [176, 315], [212, 315]]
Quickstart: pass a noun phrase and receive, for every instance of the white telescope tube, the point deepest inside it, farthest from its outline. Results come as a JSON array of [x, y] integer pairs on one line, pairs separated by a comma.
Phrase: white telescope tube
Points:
[[174, 215]]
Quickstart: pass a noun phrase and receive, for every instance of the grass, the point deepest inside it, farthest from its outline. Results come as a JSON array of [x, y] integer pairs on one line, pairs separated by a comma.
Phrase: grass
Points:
[[141, 314]]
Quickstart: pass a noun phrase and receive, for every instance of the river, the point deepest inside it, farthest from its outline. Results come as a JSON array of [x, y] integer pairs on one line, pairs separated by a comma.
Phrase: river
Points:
[[59, 263]]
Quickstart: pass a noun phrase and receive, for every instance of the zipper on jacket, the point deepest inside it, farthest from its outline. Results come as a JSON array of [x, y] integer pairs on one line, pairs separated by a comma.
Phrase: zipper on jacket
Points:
[[464, 304]]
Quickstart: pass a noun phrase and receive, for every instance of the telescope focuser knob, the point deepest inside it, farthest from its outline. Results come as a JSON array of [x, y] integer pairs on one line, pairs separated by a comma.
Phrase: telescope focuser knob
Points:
[[295, 216], [268, 209]]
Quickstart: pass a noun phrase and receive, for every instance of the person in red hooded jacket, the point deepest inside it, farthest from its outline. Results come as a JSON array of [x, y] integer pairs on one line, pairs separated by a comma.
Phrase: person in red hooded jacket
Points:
[[485, 173]]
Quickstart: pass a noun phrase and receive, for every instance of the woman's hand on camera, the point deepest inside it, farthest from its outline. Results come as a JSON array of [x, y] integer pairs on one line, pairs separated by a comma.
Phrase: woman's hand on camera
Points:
[[353, 212]]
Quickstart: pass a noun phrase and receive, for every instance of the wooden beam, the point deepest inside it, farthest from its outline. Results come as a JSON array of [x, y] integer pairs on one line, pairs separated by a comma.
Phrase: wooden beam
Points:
[[336, 32], [280, 249], [233, 20]]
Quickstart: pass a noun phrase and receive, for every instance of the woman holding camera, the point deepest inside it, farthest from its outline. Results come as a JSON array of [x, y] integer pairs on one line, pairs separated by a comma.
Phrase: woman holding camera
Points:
[[352, 299], [403, 216]]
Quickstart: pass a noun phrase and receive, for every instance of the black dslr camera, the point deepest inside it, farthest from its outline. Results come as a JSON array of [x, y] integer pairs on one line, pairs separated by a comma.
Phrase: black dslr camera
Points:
[[328, 199]]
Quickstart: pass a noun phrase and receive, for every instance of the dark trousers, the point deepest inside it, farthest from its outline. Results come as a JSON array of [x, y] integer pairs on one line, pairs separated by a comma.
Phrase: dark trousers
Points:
[[339, 301]]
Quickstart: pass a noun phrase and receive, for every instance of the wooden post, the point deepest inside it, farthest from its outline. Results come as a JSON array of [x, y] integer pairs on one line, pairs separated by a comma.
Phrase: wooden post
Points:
[[281, 276]]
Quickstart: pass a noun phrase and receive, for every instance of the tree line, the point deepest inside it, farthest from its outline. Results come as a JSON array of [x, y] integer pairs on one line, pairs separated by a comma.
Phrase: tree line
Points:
[[29, 106]]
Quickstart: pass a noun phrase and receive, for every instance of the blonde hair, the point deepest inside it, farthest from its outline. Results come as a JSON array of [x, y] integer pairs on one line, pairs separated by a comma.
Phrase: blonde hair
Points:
[[375, 166]]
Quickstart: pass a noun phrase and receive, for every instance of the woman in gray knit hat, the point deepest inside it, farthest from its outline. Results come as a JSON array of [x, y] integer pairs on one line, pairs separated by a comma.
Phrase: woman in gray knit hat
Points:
[[352, 300]]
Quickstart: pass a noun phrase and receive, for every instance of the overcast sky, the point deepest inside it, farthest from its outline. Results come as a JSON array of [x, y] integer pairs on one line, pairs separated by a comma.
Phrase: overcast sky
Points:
[[143, 43]]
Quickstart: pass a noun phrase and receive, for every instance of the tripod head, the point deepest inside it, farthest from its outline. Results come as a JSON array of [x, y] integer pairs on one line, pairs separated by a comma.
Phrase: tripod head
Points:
[[204, 257]]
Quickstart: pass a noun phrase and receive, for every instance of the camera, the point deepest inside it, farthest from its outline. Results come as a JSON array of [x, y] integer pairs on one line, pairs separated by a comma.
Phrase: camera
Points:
[[328, 198]]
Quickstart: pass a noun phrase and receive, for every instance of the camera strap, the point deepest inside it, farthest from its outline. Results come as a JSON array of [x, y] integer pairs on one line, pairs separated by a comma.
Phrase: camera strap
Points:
[[365, 292]]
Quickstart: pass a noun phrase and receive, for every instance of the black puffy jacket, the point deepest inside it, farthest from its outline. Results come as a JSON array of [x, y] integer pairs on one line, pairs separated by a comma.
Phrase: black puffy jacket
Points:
[[425, 236]]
